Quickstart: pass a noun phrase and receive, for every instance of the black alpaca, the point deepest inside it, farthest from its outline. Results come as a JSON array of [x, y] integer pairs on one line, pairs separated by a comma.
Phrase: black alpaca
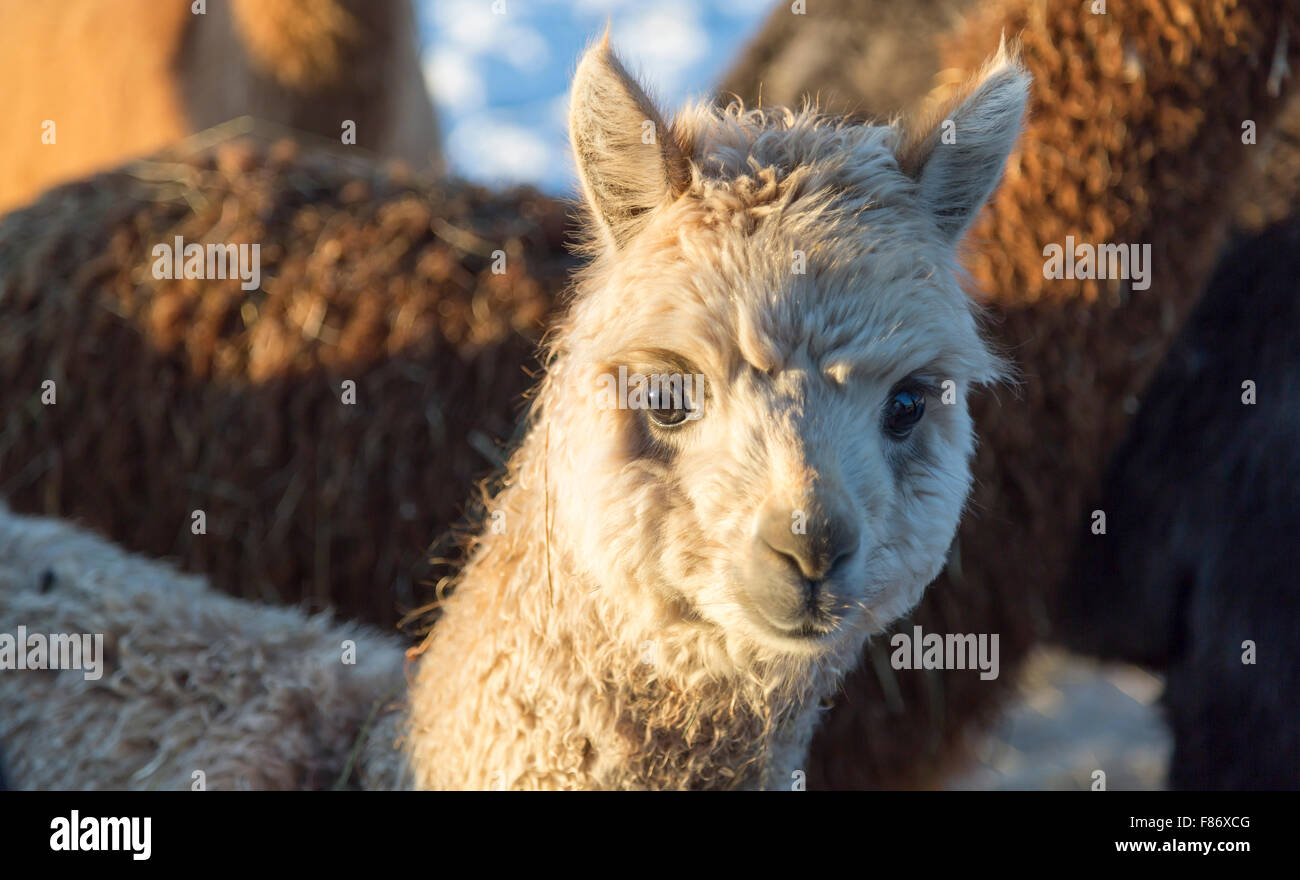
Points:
[[1202, 505]]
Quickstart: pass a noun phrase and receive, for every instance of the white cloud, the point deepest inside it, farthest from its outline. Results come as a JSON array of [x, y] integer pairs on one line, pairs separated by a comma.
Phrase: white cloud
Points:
[[662, 42], [469, 24], [488, 149], [453, 80], [525, 48]]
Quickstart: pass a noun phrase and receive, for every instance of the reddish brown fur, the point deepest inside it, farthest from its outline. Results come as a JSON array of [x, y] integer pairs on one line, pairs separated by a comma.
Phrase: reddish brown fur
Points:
[[122, 78]]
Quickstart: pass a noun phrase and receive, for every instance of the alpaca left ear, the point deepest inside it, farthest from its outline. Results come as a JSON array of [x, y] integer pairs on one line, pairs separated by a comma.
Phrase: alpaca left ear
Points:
[[628, 158], [958, 161]]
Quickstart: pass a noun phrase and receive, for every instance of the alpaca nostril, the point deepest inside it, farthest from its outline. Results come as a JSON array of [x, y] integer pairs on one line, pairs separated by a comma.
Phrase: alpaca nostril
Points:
[[790, 551], [840, 551]]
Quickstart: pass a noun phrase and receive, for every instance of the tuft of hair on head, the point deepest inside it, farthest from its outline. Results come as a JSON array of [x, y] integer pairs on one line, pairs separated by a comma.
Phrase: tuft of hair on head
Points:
[[956, 154], [629, 159]]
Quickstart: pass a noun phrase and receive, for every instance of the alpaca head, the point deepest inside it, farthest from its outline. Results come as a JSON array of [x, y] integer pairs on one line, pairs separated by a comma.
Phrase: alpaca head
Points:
[[757, 407]]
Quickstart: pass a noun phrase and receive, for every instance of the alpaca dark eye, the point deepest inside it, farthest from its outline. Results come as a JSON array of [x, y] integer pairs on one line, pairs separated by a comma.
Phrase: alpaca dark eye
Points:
[[664, 412], [671, 406], [904, 411]]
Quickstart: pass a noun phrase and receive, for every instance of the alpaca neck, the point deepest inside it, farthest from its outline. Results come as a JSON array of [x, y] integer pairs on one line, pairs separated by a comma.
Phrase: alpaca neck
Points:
[[540, 675]]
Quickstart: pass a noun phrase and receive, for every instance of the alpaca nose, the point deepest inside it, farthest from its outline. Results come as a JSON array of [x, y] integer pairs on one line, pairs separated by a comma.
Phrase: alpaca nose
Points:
[[812, 538]]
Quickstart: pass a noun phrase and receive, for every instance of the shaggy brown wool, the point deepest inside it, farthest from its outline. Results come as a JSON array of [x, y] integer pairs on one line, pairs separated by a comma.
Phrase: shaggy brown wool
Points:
[[183, 395], [877, 58]]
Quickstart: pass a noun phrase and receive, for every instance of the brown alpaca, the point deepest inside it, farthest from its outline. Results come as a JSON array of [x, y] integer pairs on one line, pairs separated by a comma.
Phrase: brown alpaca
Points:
[[122, 78], [367, 278]]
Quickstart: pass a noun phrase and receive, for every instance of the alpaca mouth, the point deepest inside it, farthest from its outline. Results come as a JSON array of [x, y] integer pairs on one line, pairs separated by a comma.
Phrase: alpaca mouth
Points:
[[807, 638], [812, 617], [815, 629], [809, 631]]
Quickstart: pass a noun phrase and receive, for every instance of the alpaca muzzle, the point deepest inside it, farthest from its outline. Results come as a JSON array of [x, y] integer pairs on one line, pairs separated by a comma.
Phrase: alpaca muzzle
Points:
[[800, 554]]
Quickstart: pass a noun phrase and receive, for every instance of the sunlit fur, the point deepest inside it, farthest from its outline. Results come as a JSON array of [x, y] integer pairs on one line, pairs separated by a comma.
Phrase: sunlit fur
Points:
[[602, 638]]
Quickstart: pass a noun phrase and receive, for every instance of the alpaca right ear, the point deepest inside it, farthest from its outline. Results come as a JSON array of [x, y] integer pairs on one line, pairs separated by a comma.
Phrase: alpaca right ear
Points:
[[957, 160], [628, 159]]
